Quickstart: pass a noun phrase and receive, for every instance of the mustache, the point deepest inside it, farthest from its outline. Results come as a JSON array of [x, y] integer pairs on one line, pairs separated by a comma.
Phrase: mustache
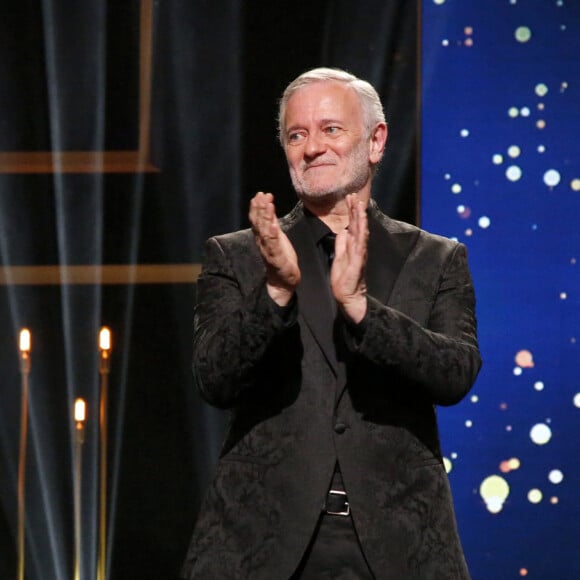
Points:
[[318, 161]]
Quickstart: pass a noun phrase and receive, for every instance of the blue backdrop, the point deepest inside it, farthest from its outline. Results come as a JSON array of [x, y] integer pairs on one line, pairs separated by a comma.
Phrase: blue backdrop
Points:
[[500, 171]]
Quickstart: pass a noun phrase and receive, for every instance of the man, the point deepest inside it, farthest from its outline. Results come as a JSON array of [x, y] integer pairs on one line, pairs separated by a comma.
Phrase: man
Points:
[[331, 361]]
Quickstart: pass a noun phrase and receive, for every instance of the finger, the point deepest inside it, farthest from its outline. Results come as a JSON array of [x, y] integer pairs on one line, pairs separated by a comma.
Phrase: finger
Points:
[[262, 212], [361, 231], [353, 226], [261, 201]]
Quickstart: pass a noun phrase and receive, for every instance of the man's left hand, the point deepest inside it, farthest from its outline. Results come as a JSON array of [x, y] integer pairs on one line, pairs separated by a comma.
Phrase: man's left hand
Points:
[[347, 275]]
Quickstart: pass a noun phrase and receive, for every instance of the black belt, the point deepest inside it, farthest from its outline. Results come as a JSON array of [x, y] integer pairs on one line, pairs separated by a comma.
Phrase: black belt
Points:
[[336, 503]]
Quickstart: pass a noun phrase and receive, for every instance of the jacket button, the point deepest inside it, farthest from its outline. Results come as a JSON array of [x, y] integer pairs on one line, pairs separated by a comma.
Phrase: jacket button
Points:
[[339, 427]]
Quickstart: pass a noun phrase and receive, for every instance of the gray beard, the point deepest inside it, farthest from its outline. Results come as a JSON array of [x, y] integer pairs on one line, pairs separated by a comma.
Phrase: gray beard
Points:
[[326, 195]]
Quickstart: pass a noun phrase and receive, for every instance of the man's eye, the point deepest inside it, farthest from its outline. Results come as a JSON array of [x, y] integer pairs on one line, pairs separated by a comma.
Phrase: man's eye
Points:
[[332, 130], [294, 137]]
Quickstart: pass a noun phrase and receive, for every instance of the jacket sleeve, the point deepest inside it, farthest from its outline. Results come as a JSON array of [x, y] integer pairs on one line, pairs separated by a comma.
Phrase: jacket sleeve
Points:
[[442, 357], [233, 327]]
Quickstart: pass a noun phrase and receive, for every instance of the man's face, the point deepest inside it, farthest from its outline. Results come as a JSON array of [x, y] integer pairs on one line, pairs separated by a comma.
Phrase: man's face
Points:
[[326, 142]]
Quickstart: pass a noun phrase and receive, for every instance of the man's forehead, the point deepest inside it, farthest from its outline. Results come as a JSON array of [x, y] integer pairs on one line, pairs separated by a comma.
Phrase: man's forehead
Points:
[[321, 95]]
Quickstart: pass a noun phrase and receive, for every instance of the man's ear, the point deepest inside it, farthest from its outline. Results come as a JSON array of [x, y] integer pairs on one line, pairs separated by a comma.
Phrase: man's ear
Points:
[[377, 143]]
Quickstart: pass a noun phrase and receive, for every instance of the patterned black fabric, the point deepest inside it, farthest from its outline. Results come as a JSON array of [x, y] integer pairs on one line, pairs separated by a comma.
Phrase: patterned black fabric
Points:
[[303, 395]]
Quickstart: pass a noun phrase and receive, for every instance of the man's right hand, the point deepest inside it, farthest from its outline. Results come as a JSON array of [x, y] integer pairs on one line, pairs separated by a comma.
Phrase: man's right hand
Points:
[[282, 271]]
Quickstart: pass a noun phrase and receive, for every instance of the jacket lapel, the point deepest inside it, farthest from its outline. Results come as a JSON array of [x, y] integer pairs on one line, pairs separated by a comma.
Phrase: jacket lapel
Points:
[[315, 302], [387, 253]]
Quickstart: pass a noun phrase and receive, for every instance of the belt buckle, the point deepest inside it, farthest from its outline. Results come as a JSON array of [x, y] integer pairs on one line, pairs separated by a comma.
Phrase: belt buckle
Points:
[[345, 512]]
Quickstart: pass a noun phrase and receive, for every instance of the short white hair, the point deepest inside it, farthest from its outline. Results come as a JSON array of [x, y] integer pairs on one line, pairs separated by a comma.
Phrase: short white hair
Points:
[[372, 107]]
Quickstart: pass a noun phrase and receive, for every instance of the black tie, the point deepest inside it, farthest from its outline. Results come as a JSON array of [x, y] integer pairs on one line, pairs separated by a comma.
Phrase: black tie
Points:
[[327, 243]]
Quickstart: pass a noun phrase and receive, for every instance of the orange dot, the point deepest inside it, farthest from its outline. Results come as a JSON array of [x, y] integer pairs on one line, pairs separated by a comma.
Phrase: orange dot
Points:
[[524, 359], [523, 572]]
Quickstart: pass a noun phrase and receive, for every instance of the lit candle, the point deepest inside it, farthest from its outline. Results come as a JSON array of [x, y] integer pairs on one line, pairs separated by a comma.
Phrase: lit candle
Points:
[[80, 410], [105, 339], [25, 340]]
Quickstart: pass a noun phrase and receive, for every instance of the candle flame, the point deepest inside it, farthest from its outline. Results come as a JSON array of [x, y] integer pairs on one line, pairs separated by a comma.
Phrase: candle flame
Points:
[[25, 340], [105, 339], [80, 410]]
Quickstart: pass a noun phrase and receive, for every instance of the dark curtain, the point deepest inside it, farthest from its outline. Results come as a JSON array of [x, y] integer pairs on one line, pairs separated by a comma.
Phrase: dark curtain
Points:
[[375, 40], [71, 82]]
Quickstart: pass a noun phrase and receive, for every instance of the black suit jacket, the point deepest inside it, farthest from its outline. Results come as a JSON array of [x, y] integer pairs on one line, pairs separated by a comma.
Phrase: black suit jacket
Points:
[[306, 390]]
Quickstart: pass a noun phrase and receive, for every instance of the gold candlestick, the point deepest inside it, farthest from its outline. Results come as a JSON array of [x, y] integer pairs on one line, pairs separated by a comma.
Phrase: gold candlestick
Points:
[[24, 347], [104, 367], [79, 417]]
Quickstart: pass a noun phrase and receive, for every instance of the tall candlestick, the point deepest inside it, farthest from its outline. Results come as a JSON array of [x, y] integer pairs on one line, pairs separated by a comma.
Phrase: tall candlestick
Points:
[[104, 367], [25, 343], [79, 417]]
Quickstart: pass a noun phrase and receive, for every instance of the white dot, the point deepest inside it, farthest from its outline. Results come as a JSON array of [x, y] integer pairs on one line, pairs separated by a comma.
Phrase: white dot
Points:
[[525, 112], [514, 151], [456, 188], [448, 465], [468, 423], [438, 1], [474, 398], [541, 89], [551, 178], [447, 176], [445, 42], [523, 34], [513, 112], [577, 400], [575, 185], [464, 133], [517, 371], [513, 173], [454, 455], [563, 295], [484, 222], [539, 386], [497, 159], [541, 148], [535, 496], [540, 434], [556, 476]]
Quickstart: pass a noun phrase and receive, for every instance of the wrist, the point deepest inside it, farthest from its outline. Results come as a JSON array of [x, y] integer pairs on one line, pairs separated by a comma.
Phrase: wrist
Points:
[[280, 295], [355, 308]]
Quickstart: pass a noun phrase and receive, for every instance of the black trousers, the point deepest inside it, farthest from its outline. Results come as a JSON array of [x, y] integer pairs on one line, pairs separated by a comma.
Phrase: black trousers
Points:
[[334, 552]]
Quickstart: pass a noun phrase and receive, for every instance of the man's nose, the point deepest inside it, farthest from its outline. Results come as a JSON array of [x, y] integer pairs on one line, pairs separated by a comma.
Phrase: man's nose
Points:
[[315, 145]]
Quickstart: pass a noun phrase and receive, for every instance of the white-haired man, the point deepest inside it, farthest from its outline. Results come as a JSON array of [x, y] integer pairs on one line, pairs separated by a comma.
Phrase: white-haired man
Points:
[[330, 335]]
